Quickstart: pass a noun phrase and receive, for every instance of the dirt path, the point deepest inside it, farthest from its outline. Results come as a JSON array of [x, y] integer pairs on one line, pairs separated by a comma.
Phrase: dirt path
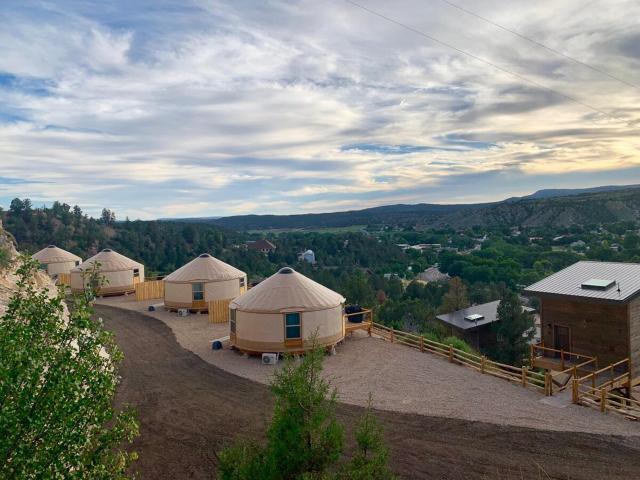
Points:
[[188, 408]]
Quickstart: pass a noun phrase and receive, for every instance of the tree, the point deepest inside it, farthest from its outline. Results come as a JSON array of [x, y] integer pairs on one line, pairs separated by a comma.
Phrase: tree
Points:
[[370, 459], [456, 298], [57, 384], [107, 217], [304, 439], [513, 329]]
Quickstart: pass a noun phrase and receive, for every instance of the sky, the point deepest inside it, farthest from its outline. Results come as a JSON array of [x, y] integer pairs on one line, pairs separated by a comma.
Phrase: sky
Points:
[[161, 108]]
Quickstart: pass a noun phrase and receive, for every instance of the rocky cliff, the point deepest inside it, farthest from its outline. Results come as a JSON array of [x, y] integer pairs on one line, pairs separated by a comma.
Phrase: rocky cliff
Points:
[[8, 277]]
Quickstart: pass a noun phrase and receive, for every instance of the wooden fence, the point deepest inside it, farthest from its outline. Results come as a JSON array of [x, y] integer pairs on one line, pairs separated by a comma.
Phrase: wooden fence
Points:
[[64, 279], [150, 289], [520, 375], [597, 389], [219, 310], [365, 323]]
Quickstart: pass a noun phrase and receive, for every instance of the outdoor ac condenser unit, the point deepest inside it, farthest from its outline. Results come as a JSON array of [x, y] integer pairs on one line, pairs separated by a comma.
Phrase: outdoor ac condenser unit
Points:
[[183, 312], [269, 358]]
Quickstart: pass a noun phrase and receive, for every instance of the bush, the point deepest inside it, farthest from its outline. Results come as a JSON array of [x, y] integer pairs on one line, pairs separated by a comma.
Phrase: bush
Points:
[[458, 343]]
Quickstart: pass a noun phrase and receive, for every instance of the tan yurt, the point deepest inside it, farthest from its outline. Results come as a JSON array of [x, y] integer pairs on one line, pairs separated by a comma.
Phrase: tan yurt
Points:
[[203, 279], [120, 274], [56, 260], [281, 313]]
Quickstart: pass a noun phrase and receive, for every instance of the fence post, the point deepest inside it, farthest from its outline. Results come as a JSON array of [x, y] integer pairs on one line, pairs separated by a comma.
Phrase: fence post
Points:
[[524, 376], [391, 335], [451, 353], [548, 386], [422, 343], [575, 393], [483, 361], [603, 400]]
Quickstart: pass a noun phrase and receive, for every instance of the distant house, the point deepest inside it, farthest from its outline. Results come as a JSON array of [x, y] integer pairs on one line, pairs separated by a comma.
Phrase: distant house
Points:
[[578, 244], [262, 245], [472, 324], [307, 256], [592, 308], [389, 276], [433, 274]]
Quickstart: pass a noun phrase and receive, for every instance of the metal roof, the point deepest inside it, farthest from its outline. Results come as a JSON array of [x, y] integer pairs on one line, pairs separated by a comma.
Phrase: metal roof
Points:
[[488, 310], [568, 282]]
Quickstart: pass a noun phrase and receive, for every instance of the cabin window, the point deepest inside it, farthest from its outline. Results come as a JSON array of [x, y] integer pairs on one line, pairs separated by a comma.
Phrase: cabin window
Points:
[[291, 326], [232, 320], [43, 266], [242, 282], [198, 291], [136, 272]]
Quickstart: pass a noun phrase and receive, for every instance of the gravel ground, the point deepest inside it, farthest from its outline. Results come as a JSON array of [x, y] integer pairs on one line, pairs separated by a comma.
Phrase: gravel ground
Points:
[[401, 379]]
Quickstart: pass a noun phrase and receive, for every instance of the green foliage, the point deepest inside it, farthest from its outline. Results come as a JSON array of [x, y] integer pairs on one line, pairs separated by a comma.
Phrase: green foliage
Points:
[[304, 439], [513, 331], [456, 297], [458, 343], [371, 457], [57, 384], [5, 259]]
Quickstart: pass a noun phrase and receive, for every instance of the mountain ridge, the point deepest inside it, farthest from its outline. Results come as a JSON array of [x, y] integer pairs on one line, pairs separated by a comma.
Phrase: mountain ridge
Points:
[[553, 207]]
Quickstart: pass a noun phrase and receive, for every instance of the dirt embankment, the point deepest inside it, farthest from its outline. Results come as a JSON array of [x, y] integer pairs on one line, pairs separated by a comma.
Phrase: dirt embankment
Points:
[[188, 408]]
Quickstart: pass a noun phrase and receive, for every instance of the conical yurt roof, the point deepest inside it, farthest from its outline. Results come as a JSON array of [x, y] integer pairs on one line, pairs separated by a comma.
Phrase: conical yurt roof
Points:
[[205, 268], [287, 290], [53, 254], [110, 261]]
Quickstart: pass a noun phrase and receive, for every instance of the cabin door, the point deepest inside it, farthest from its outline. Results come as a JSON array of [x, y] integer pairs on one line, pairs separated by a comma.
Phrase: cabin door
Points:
[[562, 338]]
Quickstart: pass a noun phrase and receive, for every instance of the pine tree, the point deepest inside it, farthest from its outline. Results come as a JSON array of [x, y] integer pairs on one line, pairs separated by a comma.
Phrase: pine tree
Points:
[[456, 298], [513, 329]]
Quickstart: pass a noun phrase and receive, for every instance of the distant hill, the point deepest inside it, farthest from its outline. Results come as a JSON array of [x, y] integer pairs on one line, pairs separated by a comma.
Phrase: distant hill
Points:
[[555, 207], [566, 192]]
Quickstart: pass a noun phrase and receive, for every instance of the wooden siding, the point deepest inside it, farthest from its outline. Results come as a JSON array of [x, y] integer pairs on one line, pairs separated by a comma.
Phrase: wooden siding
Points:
[[219, 310], [597, 329], [64, 279], [149, 290], [634, 337]]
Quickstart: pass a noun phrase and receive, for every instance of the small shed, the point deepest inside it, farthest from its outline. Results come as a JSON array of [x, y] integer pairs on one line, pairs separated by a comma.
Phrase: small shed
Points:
[[472, 324], [281, 313], [120, 274], [55, 260], [203, 279]]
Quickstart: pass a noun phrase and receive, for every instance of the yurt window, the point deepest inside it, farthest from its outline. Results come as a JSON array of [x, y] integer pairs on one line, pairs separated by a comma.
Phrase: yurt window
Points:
[[232, 320], [136, 272], [43, 266], [198, 291], [77, 262], [292, 325], [242, 282]]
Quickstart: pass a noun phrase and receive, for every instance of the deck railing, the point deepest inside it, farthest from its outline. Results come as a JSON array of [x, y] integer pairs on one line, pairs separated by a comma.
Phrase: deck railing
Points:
[[365, 323], [523, 376]]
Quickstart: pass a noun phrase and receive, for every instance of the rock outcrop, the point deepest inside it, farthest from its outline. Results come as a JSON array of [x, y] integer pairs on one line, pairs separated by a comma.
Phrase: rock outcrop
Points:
[[8, 277]]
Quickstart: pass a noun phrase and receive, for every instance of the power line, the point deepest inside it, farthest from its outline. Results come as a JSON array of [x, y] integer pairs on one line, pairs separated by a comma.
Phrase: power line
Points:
[[542, 45], [488, 62]]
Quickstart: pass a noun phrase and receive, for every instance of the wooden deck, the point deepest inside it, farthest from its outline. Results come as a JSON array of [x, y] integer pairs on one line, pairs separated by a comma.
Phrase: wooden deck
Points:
[[365, 323]]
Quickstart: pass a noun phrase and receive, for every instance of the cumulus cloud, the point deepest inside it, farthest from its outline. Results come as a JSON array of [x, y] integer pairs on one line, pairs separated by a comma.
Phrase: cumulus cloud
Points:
[[186, 108]]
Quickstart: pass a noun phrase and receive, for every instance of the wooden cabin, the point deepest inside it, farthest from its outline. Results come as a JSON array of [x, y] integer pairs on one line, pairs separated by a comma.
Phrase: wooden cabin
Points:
[[592, 309]]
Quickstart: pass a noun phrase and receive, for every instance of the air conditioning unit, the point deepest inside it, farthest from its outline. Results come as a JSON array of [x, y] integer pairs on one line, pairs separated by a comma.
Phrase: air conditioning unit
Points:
[[269, 358], [183, 312]]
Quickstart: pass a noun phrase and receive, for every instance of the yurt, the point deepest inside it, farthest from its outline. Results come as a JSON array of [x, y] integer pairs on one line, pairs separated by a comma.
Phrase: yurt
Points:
[[203, 279], [120, 274], [281, 313], [56, 260]]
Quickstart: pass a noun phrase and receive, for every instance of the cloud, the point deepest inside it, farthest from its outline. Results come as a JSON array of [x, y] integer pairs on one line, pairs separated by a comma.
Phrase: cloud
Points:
[[193, 108]]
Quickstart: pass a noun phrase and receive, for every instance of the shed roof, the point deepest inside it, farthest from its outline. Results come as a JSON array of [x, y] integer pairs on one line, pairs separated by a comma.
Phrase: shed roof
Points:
[[205, 268], [488, 310], [53, 254], [433, 274], [568, 282], [261, 244], [110, 261], [287, 290]]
